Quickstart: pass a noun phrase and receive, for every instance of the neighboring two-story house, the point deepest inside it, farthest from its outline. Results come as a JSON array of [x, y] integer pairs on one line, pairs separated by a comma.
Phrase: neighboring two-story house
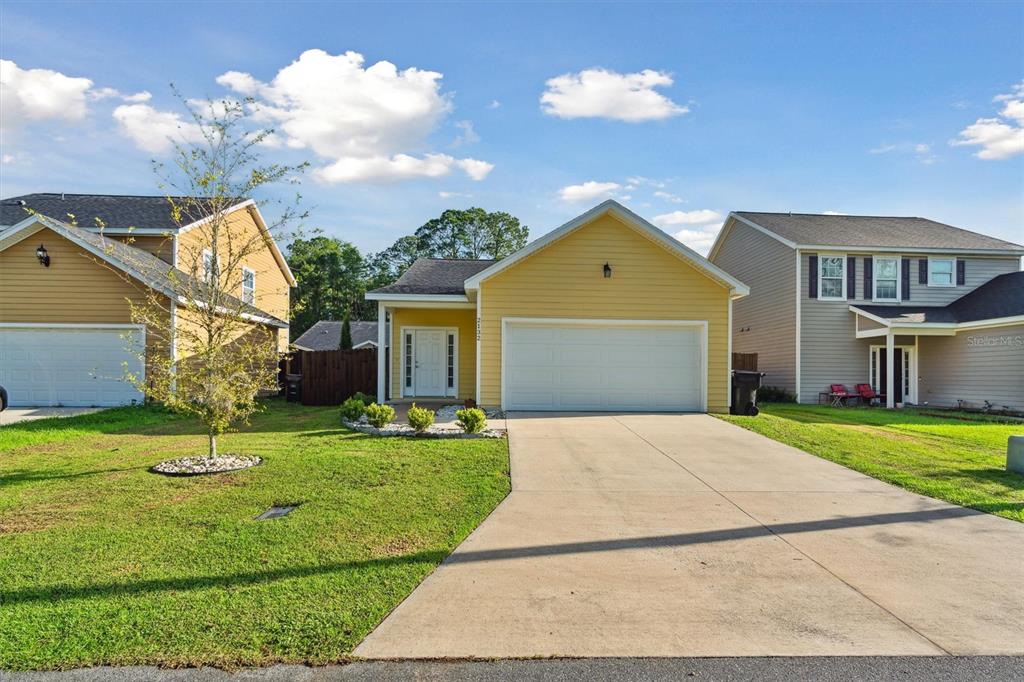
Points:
[[66, 290], [931, 310]]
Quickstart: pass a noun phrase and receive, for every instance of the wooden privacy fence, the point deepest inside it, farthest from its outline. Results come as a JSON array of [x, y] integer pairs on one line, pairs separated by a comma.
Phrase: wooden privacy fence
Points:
[[331, 376], [745, 361]]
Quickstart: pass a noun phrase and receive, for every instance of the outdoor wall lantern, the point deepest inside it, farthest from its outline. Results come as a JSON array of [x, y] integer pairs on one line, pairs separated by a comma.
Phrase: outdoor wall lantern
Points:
[[607, 270], [44, 258]]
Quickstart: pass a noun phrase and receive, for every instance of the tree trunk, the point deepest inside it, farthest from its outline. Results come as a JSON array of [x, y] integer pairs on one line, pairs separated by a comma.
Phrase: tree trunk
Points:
[[213, 444]]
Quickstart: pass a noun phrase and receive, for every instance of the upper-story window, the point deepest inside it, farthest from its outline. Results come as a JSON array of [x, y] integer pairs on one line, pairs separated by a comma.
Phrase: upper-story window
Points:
[[249, 286], [941, 272], [832, 275], [211, 268], [887, 279]]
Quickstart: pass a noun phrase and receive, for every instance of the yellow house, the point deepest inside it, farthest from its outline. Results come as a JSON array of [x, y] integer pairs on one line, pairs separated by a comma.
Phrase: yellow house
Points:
[[66, 329], [606, 312]]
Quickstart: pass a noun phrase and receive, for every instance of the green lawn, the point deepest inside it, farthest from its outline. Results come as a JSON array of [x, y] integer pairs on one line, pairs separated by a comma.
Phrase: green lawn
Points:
[[102, 561], [958, 459]]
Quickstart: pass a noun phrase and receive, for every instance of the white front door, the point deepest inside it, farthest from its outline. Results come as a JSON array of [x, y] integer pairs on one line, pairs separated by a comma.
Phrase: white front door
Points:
[[429, 362]]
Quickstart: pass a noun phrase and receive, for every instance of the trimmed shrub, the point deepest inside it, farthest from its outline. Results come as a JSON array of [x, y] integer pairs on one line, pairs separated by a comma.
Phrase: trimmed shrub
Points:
[[472, 419], [352, 409], [774, 394], [364, 398], [420, 418], [379, 415]]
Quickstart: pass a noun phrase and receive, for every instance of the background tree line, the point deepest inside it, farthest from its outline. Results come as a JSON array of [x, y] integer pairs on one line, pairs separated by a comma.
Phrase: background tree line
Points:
[[333, 275]]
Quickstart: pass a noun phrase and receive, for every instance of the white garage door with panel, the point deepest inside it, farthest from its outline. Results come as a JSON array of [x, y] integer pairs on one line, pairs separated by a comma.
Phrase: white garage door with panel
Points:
[[68, 365], [604, 365]]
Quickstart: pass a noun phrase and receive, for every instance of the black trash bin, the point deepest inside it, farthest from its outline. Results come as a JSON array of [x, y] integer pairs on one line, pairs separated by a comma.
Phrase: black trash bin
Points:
[[293, 388], [744, 392]]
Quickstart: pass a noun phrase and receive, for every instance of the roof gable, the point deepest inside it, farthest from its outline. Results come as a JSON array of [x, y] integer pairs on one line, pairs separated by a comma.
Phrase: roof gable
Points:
[[631, 220], [436, 276], [136, 263], [807, 230]]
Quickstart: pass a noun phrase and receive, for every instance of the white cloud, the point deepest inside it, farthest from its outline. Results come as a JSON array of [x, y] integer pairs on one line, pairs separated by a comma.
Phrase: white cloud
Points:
[[155, 131], [701, 227], [922, 151], [588, 191], [453, 195], [1002, 137], [700, 240], [98, 94], [368, 123], [495, 104], [399, 167], [466, 135], [39, 94], [7, 159], [669, 197], [698, 217], [474, 168], [599, 93]]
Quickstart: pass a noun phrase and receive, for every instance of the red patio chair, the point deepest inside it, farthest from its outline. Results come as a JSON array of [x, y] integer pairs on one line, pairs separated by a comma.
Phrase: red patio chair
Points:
[[868, 394], [840, 395]]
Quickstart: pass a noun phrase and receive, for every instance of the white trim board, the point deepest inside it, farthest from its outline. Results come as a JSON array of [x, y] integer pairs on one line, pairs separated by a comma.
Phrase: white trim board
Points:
[[598, 322], [633, 220]]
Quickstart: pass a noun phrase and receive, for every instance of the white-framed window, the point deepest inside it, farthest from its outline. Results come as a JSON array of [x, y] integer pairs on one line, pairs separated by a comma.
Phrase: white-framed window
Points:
[[885, 272], [408, 359], [451, 360], [211, 269], [942, 272], [248, 285], [831, 277]]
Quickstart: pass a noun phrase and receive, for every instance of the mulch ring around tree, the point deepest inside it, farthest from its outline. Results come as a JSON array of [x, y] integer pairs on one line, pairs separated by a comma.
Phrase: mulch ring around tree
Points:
[[197, 466]]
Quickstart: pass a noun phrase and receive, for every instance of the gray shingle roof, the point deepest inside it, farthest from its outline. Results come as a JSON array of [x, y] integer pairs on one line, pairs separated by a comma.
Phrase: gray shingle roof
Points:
[[1002, 296], [326, 335], [873, 231], [118, 212], [436, 276], [153, 271]]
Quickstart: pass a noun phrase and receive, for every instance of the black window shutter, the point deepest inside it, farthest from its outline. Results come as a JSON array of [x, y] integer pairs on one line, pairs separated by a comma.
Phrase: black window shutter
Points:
[[812, 277], [868, 292], [905, 276], [851, 277], [961, 273], [922, 271]]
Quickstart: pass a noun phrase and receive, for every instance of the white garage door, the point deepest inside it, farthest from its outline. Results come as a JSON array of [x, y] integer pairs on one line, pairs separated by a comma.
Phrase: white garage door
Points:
[[601, 365], [68, 366]]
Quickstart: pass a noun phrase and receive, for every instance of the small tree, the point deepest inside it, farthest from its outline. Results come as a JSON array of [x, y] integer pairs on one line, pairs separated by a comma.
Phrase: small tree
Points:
[[346, 333], [225, 348]]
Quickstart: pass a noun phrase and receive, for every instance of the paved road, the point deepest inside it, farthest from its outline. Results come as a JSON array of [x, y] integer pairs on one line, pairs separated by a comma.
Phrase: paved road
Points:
[[912, 669], [682, 535]]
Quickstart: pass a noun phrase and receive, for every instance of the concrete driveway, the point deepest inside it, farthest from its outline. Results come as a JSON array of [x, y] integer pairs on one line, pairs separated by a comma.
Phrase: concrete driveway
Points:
[[682, 535], [14, 415]]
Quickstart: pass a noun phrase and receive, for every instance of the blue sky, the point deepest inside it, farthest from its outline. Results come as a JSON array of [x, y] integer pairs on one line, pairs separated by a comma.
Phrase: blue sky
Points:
[[684, 112]]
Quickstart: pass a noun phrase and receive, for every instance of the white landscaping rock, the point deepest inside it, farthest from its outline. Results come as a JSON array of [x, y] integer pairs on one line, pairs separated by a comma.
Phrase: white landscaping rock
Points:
[[444, 426], [193, 466]]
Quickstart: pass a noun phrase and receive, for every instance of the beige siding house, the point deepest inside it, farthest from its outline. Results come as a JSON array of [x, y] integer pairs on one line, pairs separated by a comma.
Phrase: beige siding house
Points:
[[606, 312], [878, 300], [66, 329]]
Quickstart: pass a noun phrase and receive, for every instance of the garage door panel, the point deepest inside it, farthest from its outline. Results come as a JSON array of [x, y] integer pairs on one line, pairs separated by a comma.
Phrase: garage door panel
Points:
[[603, 366], [48, 366]]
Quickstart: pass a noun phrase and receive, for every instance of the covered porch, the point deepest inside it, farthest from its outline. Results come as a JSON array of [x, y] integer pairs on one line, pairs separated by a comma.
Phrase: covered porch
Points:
[[432, 349], [893, 336]]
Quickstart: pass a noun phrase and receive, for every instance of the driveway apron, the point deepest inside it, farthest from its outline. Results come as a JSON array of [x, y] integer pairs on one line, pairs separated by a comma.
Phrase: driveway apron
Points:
[[683, 535]]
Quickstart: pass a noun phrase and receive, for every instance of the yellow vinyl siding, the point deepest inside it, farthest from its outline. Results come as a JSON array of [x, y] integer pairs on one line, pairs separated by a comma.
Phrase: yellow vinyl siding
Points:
[[159, 245], [463, 319], [77, 288], [272, 288], [565, 279]]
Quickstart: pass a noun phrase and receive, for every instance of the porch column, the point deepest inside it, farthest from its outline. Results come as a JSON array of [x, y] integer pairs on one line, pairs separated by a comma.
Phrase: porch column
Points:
[[890, 355], [382, 350]]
